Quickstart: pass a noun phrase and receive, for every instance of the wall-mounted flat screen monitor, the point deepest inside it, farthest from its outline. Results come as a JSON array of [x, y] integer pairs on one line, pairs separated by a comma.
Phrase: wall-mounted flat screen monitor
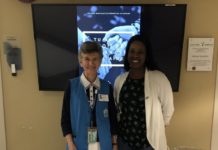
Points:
[[59, 30]]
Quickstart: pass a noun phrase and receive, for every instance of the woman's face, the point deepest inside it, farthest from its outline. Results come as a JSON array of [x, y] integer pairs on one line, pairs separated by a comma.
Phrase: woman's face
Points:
[[90, 63], [136, 55]]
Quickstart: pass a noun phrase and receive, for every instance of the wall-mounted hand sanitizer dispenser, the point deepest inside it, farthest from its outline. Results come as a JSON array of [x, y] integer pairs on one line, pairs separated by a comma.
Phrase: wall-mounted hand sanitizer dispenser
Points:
[[13, 55]]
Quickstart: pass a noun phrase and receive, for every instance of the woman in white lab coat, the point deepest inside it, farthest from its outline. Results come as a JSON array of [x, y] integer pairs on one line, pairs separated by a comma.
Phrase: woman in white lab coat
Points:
[[144, 99]]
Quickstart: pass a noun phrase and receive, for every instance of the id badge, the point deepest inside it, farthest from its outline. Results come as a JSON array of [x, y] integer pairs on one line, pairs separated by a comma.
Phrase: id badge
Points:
[[94, 146], [92, 135]]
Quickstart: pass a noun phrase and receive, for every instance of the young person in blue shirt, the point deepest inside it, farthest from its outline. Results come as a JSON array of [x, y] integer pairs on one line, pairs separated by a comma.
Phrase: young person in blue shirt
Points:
[[89, 113]]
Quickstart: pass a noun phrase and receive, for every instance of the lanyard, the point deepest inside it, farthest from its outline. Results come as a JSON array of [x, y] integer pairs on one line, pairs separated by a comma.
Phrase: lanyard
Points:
[[92, 105], [92, 97]]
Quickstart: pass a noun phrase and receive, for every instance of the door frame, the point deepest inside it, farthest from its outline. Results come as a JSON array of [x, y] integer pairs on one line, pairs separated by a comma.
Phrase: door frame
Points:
[[2, 120], [214, 139]]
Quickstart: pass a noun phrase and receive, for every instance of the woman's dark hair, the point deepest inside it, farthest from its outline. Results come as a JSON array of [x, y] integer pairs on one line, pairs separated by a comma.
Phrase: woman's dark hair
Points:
[[131, 40]]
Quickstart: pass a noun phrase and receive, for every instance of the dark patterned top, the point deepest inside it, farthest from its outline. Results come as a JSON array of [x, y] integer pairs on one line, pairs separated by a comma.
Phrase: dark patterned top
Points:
[[132, 125]]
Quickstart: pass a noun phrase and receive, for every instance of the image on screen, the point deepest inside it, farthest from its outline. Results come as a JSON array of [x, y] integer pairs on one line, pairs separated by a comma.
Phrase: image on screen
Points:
[[112, 27]]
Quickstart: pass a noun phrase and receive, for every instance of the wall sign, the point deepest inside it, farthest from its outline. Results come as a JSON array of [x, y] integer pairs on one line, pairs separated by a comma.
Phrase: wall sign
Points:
[[200, 54]]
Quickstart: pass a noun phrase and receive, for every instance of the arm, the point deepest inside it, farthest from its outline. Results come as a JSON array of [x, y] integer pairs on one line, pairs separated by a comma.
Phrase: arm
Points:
[[166, 98], [113, 119], [65, 116], [65, 119]]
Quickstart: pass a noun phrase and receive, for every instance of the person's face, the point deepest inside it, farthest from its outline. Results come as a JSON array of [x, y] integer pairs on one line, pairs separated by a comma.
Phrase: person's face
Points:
[[136, 55], [90, 63]]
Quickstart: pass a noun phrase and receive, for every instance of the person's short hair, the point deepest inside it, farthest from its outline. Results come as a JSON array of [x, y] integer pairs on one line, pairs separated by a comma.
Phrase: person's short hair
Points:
[[90, 47], [131, 40]]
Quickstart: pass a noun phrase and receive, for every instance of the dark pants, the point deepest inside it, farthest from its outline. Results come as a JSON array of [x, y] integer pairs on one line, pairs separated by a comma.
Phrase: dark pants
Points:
[[122, 145]]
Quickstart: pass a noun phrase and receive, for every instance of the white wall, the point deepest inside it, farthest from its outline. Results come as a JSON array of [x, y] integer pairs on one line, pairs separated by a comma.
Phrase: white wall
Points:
[[32, 117]]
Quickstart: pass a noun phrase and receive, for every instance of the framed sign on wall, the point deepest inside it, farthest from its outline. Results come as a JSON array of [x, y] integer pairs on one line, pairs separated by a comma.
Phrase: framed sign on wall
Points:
[[200, 54]]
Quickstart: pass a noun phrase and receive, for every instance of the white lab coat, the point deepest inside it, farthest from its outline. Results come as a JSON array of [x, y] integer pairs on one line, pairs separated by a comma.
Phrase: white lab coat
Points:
[[158, 105]]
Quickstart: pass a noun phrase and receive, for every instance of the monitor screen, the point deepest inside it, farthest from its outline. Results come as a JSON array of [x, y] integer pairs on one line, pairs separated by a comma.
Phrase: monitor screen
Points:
[[111, 27], [60, 29]]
